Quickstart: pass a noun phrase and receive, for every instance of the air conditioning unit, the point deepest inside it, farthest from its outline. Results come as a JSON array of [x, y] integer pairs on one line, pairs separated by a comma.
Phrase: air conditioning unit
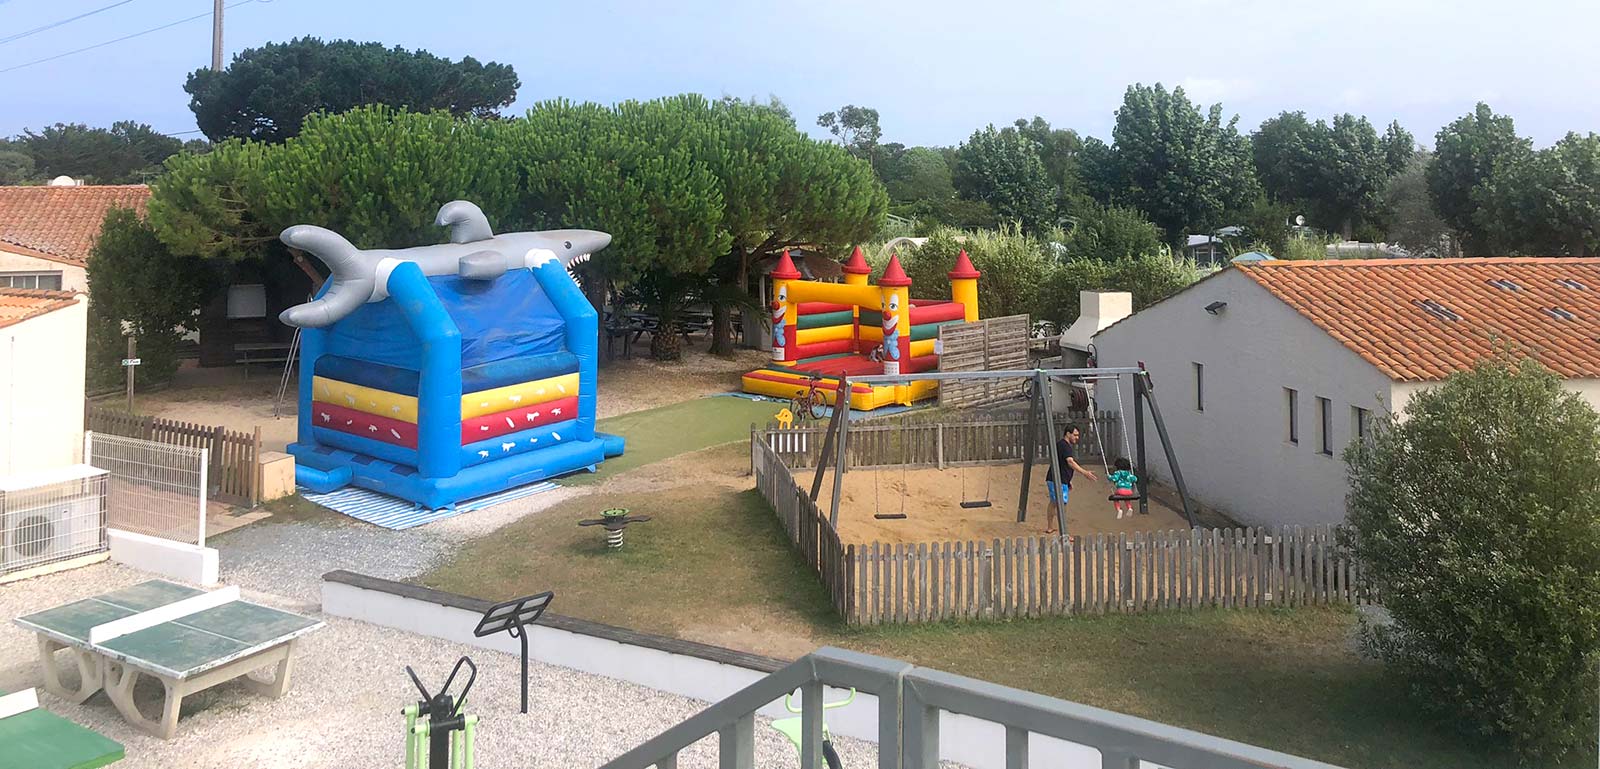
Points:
[[52, 516]]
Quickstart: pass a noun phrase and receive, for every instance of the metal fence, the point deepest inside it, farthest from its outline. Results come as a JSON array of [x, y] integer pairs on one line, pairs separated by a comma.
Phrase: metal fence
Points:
[[155, 488], [910, 702], [232, 475], [51, 521], [882, 583]]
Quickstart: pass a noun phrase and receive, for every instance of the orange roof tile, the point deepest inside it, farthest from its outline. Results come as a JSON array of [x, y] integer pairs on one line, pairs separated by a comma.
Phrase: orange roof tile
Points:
[[1423, 319], [61, 223], [20, 304]]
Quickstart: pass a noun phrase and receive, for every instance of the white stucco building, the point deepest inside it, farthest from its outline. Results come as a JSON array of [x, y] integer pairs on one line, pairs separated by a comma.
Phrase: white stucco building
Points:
[[1266, 371], [42, 336]]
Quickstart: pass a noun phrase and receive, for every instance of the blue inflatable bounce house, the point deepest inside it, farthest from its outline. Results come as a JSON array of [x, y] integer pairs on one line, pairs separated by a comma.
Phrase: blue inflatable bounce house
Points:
[[444, 373]]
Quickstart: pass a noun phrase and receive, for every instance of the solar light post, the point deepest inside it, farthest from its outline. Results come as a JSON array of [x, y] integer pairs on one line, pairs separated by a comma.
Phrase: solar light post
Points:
[[514, 617]]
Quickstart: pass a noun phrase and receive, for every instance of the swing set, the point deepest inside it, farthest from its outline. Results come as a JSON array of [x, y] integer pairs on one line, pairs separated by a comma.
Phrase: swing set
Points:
[[1041, 411]]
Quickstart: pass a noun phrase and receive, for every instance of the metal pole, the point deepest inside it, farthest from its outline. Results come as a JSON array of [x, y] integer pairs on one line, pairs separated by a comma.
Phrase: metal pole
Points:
[[205, 463], [1030, 433], [1138, 444], [1166, 447], [133, 347], [522, 633], [839, 456], [216, 36], [945, 376], [1042, 384]]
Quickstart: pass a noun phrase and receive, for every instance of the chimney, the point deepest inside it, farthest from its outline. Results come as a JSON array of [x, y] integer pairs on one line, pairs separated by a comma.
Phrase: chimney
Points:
[[1096, 311]]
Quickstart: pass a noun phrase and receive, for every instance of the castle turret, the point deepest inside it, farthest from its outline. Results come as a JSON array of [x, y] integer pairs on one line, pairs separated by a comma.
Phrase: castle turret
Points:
[[856, 270], [895, 289], [964, 285], [783, 310]]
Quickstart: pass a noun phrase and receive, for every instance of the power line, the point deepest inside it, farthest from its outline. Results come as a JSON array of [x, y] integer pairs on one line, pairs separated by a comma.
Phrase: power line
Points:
[[54, 24], [84, 49]]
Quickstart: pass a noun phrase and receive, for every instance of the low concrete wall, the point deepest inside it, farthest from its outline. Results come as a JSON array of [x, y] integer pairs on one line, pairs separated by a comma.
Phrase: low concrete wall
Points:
[[685, 668], [181, 561]]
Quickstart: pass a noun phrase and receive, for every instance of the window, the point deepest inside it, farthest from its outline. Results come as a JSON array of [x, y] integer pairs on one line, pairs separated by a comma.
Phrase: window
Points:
[[1559, 313], [1358, 422], [1437, 310], [247, 300], [1570, 283], [49, 280], [1294, 416], [1199, 387], [1325, 424]]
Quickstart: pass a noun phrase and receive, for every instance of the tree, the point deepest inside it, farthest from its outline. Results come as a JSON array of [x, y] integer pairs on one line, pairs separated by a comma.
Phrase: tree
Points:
[[1408, 211], [136, 279], [918, 174], [266, 93], [1334, 170], [1492, 579], [856, 128], [1545, 202], [1058, 151], [1004, 170], [1398, 146], [1183, 169], [127, 153], [1014, 267], [16, 166], [1465, 154], [1110, 233], [773, 104], [1149, 278]]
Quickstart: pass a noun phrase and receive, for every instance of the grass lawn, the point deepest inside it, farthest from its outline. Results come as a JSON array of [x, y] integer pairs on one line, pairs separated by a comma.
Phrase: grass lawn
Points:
[[658, 433], [714, 566]]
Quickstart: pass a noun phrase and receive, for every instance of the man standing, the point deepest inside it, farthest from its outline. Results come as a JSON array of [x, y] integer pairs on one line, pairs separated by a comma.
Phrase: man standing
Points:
[[1067, 464]]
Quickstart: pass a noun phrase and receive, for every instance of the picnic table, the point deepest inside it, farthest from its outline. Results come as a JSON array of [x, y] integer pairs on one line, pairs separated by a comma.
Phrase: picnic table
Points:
[[189, 639]]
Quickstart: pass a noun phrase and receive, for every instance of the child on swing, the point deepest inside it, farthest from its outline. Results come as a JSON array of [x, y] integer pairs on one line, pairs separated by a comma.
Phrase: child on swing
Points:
[[1124, 480]]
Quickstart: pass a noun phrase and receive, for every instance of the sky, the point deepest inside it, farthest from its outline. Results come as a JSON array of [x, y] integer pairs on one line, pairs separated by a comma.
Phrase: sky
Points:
[[934, 70]]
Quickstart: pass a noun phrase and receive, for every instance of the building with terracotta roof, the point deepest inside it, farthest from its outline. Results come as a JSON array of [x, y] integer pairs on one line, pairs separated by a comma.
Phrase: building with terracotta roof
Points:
[[1266, 371], [46, 231], [42, 338]]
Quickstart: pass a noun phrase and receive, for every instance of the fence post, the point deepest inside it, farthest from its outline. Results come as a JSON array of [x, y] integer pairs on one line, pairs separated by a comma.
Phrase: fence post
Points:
[[938, 448], [88, 447], [255, 468], [205, 464]]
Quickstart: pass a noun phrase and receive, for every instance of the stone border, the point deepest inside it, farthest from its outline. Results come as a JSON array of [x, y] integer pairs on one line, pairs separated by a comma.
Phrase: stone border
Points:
[[585, 627]]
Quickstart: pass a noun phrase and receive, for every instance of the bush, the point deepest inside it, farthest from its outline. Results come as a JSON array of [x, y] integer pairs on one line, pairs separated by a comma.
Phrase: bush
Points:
[[1110, 233], [1149, 278], [133, 277], [1475, 517], [1014, 268], [1304, 249]]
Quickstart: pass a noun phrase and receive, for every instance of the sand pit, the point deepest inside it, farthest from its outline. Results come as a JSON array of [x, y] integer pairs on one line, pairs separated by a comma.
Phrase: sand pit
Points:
[[934, 513]]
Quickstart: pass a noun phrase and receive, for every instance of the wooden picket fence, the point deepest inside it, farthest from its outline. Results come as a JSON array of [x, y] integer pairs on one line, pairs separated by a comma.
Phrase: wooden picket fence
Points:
[[233, 475], [945, 443], [1038, 576]]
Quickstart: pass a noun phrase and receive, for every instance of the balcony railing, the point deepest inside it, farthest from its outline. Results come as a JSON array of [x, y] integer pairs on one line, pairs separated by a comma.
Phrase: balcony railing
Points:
[[910, 703]]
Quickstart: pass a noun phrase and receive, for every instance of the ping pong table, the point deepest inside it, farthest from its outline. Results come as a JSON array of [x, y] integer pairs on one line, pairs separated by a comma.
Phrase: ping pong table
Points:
[[35, 738], [188, 639]]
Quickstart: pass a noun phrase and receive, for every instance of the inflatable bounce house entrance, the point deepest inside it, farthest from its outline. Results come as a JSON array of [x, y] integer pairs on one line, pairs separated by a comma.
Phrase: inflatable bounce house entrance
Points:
[[444, 373], [856, 329]]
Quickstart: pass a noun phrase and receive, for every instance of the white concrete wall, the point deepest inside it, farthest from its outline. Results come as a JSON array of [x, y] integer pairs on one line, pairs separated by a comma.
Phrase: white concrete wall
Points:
[[73, 278], [177, 560], [1588, 389], [1235, 455], [41, 391], [970, 741]]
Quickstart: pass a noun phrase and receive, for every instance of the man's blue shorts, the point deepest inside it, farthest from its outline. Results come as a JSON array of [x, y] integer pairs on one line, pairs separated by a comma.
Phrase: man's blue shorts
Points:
[[1051, 485]]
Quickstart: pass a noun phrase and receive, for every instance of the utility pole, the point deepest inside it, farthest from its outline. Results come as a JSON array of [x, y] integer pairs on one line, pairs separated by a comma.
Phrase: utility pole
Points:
[[216, 37]]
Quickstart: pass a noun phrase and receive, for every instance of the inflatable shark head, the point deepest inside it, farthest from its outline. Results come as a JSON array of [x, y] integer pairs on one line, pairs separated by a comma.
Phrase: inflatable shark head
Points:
[[474, 252]]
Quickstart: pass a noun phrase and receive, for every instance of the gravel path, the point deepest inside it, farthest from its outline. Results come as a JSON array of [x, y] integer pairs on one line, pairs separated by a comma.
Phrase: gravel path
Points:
[[349, 683]]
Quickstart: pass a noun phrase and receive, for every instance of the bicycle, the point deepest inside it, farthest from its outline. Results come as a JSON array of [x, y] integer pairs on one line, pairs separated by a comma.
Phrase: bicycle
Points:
[[809, 403], [790, 727]]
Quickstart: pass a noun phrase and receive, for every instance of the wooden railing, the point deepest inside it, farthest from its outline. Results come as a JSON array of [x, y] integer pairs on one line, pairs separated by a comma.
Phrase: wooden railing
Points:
[[878, 583], [233, 474]]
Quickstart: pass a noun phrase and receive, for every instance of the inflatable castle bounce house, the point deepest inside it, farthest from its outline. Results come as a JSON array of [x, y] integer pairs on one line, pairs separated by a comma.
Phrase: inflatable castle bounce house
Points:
[[856, 329], [444, 373]]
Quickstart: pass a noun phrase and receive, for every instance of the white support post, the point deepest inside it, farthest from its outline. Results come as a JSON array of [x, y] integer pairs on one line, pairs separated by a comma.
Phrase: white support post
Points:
[[88, 447], [205, 465]]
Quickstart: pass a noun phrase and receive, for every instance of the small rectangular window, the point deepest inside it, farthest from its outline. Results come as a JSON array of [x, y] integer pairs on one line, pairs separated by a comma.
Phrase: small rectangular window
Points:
[[247, 300], [1325, 424], [1199, 387], [1293, 399], [1358, 422], [42, 280]]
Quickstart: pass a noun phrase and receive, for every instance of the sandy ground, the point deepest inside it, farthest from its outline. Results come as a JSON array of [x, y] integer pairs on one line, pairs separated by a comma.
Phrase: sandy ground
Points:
[[228, 397], [934, 513]]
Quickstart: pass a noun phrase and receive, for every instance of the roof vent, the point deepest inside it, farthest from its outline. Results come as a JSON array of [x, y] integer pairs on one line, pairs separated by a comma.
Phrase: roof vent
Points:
[[1557, 312], [1437, 310], [1504, 284], [1570, 283]]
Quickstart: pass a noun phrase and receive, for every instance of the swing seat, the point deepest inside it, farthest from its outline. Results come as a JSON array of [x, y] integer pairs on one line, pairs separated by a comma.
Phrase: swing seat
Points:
[[979, 503], [1133, 498], [889, 516]]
